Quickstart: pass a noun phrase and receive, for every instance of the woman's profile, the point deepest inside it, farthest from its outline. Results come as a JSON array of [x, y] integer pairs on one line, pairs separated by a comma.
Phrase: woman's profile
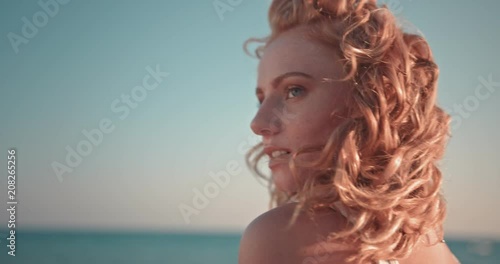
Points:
[[353, 135]]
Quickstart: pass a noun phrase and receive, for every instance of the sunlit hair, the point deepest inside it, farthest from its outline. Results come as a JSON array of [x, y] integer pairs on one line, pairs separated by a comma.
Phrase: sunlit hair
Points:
[[380, 163]]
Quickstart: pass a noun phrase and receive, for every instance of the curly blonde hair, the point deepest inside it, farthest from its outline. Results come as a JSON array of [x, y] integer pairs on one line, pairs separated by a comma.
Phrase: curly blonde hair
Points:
[[380, 163]]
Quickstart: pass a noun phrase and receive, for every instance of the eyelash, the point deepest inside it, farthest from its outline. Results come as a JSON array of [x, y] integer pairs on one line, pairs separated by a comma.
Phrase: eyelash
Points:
[[293, 87], [288, 89]]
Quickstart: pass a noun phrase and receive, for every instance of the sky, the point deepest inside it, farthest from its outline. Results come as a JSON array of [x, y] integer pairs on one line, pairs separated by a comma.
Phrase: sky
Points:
[[135, 115]]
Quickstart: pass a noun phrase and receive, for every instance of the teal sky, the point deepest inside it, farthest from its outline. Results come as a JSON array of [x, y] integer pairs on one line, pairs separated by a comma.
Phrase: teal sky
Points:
[[66, 77]]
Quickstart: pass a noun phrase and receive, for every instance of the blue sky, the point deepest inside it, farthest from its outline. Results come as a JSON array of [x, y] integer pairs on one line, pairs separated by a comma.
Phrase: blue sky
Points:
[[195, 123]]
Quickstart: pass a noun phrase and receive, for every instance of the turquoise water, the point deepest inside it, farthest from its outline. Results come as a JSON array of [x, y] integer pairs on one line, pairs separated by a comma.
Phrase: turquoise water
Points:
[[125, 248]]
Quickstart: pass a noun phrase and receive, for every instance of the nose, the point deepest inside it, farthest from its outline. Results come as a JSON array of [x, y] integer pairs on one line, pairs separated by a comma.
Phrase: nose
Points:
[[266, 122]]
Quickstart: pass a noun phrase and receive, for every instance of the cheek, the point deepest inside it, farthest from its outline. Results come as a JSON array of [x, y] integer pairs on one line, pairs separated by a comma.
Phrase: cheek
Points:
[[313, 128]]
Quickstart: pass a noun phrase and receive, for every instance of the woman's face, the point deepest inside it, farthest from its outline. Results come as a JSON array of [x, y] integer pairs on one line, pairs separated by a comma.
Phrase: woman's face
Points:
[[296, 106]]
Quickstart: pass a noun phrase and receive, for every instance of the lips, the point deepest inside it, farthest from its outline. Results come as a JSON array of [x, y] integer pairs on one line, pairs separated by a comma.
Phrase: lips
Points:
[[269, 149], [281, 159]]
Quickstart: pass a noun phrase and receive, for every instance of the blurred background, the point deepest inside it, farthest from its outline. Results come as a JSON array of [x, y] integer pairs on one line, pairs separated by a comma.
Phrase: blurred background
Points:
[[130, 121]]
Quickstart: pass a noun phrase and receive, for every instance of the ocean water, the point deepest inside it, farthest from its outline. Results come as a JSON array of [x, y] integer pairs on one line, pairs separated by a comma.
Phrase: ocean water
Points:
[[128, 248]]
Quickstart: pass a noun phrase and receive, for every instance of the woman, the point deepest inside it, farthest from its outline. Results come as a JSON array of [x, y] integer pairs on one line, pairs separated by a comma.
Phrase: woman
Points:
[[349, 122]]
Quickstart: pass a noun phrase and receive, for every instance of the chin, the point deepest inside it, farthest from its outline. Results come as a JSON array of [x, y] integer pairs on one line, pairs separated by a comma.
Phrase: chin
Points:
[[284, 181]]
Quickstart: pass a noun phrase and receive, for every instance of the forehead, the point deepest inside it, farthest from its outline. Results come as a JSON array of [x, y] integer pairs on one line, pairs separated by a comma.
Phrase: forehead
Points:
[[293, 50]]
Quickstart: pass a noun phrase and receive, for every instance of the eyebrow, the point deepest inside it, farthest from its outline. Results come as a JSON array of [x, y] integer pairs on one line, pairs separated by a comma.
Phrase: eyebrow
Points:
[[277, 81]]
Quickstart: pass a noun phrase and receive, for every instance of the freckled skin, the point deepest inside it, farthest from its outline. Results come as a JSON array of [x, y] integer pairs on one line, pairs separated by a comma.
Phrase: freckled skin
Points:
[[305, 117], [293, 119]]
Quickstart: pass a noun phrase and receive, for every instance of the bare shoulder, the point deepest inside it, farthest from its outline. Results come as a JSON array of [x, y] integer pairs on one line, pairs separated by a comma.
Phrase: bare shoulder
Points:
[[431, 252], [266, 239]]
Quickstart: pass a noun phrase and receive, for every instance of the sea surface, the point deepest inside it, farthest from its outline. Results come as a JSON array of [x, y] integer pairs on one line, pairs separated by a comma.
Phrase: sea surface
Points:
[[127, 248]]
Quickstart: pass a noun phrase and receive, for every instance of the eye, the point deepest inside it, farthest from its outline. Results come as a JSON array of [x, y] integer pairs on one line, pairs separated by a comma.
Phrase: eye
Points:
[[295, 90], [260, 99]]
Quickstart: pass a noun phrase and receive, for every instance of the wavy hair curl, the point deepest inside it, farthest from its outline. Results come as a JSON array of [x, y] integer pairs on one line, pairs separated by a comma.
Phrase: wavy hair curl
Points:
[[379, 166]]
